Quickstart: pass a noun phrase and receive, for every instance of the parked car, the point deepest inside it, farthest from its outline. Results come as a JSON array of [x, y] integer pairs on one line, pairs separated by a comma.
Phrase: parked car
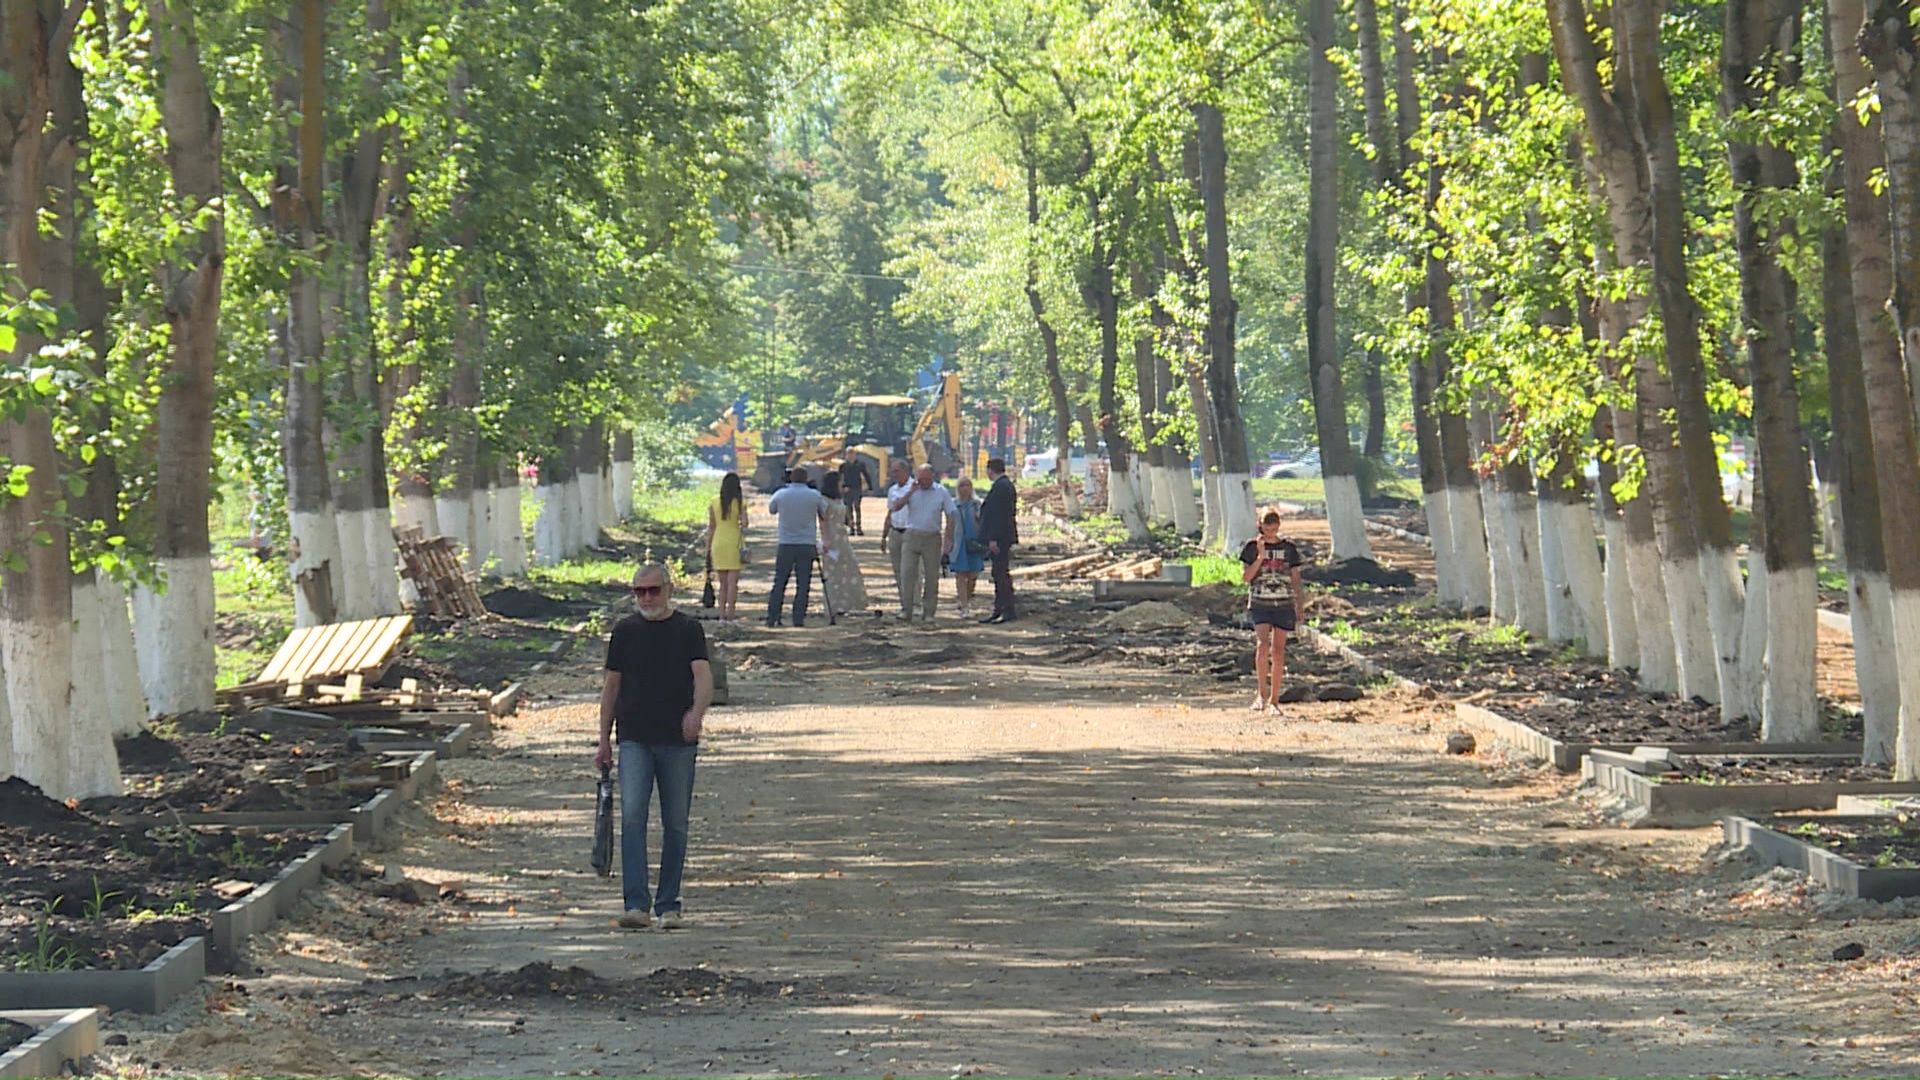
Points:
[[1041, 464], [1304, 467]]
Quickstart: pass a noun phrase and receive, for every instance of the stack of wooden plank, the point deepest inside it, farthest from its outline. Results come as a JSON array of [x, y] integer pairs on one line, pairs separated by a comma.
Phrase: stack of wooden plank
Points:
[[432, 563], [312, 655], [1061, 569], [1132, 569]]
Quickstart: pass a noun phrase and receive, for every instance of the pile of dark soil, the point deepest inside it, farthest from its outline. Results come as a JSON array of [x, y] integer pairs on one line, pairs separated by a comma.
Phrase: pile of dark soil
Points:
[[1612, 708], [513, 602], [77, 892], [1391, 502], [1358, 572], [236, 770], [542, 979], [1751, 769], [1882, 843]]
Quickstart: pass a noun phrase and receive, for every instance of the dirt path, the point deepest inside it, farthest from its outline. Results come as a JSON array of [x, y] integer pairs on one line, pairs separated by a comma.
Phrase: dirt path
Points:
[[937, 853]]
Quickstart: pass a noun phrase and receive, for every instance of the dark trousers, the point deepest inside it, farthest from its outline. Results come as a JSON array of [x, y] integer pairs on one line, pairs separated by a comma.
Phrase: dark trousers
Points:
[[1002, 580], [788, 560]]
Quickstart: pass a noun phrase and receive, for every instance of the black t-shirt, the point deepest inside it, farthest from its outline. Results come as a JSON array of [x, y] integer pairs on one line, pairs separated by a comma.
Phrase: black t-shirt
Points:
[[655, 662], [1272, 587], [853, 479]]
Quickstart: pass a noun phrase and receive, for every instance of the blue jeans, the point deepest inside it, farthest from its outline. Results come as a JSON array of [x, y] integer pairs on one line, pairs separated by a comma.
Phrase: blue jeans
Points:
[[789, 560], [640, 767]]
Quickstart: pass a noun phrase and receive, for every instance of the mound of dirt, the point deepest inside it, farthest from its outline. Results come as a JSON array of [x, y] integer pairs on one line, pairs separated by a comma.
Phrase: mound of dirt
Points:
[[542, 979], [517, 603], [1151, 615], [23, 805], [1218, 598], [147, 752], [1358, 572]]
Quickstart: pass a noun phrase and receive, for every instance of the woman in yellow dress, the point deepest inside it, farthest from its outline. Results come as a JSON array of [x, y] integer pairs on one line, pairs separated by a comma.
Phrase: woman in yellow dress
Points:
[[726, 532]]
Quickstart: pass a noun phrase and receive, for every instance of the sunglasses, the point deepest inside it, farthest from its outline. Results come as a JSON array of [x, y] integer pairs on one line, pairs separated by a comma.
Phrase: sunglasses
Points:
[[649, 590]]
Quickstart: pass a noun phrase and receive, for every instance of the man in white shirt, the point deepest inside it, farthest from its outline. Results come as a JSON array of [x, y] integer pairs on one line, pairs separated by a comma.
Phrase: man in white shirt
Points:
[[896, 520], [927, 513]]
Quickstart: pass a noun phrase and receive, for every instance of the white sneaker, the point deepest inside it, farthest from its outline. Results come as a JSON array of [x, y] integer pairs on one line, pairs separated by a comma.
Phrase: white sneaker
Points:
[[671, 920], [635, 920]]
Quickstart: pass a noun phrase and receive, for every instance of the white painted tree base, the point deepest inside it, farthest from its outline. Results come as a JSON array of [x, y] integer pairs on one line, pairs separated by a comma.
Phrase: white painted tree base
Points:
[[1123, 502], [604, 502], [547, 526], [352, 577], [1236, 512], [93, 766], [1693, 645], [1500, 544], [316, 536], [418, 511], [6, 730], [508, 543], [1875, 666], [454, 509], [480, 553], [173, 638], [1653, 618], [126, 705], [1183, 507], [622, 490], [586, 503], [1211, 525], [383, 558], [1529, 584], [1346, 518], [1572, 576], [1622, 626], [1906, 644], [1790, 710], [1467, 530], [38, 660], [1739, 670], [1446, 576]]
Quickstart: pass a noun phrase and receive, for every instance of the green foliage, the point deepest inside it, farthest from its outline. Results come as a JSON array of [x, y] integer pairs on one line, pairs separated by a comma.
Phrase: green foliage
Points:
[[1216, 570]]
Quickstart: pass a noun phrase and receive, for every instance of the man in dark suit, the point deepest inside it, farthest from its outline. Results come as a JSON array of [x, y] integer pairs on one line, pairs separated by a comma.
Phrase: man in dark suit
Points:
[[999, 530]]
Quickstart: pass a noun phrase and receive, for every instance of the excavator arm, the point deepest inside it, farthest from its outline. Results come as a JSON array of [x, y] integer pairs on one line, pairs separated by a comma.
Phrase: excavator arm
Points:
[[942, 451]]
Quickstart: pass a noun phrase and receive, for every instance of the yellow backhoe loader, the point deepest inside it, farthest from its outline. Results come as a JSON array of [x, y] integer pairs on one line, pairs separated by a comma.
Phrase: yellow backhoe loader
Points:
[[878, 429]]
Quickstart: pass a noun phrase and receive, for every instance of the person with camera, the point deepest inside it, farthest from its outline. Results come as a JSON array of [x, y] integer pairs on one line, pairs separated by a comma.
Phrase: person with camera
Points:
[[1275, 597]]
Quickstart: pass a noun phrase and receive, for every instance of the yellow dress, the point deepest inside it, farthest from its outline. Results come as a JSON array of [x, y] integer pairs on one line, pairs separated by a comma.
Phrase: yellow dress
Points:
[[726, 537]]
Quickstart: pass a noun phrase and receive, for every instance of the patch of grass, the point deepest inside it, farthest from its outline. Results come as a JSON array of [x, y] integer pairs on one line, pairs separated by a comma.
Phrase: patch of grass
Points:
[[1216, 570], [677, 506], [1831, 576], [246, 584], [1345, 633], [1310, 490], [1501, 636]]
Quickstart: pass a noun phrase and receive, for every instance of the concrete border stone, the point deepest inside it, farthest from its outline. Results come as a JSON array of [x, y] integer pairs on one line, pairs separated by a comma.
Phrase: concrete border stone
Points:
[[272, 900], [65, 1035], [1646, 803], [1836, 872], [150, 989]]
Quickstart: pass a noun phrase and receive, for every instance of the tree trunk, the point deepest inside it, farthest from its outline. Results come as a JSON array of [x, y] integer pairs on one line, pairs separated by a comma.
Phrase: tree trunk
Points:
[[623, 473], [1465, 528], [1345, 518], [510, 538], [1050, 345], [1886, 270], [549, 527], [1102, 297], [1223, 382], [1699, 479], [1760, 59], [36, 605], [1151, 461]]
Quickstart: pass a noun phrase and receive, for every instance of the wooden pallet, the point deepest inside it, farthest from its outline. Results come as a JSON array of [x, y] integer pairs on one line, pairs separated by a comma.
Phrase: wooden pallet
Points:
[[314, 654], [432, 563]]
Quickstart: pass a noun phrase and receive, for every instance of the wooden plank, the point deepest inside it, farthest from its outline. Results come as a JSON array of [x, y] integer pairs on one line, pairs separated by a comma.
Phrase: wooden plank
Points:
[[315, 641], [296, 642], [328, 662], [395, 628]]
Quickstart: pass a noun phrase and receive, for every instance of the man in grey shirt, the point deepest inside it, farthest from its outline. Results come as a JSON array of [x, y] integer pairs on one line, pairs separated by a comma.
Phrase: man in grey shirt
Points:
[[800, 511], [926, 511]]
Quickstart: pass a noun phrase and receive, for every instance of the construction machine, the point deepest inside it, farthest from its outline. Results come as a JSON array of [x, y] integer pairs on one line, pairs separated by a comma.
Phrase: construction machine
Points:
[[879, 429], [729, 445]]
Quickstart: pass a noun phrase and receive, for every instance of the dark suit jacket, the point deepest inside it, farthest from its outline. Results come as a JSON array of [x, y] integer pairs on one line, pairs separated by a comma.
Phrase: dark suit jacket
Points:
[[998, 511]]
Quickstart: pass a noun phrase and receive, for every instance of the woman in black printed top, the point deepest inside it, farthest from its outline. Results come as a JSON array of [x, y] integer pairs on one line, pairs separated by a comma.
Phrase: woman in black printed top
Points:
[[1271, 569]]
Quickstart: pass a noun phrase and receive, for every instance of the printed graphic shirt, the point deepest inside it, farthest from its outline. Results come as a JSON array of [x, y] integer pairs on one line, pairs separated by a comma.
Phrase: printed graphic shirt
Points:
[[1272, 586]]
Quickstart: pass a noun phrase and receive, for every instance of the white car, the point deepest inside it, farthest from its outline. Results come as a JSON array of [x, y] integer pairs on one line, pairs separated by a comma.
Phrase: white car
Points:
[[1042, 464]]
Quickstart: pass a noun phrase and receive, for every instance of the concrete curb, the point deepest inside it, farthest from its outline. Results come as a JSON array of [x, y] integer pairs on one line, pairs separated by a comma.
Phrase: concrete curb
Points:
[[507, 702], [1836, 872], [1682, 805], [150, 989], [273, 900], [1571, 756], [454, 744], [65, 1035]]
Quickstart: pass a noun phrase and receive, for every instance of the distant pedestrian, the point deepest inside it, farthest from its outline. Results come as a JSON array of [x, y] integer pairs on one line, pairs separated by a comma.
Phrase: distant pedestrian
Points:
[[1275, 596], [969, 550], [845, 590], [789, 439], [853, 488], [657, 689], [902, 476], [925, 539], [999, 527], [726, 536], [800, 511]]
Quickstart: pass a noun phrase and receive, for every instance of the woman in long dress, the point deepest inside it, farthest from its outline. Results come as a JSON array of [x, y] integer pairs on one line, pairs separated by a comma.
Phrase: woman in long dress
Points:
[[726, 531], [845, 591], [966, 565]]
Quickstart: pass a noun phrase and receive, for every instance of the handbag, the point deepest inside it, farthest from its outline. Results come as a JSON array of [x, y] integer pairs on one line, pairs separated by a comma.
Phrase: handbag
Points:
[[603, 825], [706, 595], [977, 548], [743, 553]]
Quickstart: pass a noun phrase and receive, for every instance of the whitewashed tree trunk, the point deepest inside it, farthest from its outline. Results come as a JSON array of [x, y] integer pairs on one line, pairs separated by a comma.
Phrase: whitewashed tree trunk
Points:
[[1467, 530], [383, 559], [1186, 508], [1446, 572], [547, 526], [1529, 584], [1236, 512], [1500, 547], [1790, 709], [1346, 519], [6, 731], [1622, 625], [1691, 624], [1875, 664], [622, 490], [316, 539], [1739, 672], [508, 541], [604, 502], [126, 705], [353, 578], [173, 637], [93, 767], [1654, 618], [1123, 502], [1211, 524], [453, 509], [1160, 492], [1574, 581], [418, 510], [480, 551]]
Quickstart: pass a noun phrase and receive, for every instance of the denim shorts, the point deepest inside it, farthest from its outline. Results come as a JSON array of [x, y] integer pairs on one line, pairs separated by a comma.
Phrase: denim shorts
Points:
[[1281, 617]]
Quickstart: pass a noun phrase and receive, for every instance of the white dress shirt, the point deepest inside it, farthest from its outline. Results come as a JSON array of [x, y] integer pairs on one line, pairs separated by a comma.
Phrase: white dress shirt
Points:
[[898, 518], [927, 511]]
